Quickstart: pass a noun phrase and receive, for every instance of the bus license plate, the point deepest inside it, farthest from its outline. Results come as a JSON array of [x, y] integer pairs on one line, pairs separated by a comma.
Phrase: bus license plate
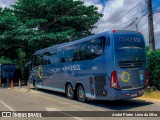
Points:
[[134, 95]]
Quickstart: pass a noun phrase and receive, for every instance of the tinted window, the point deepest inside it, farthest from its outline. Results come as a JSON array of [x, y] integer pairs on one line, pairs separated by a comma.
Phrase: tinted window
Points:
[[69, 52], [129, 43], [38, 60], [89, 49], [46, 58], [81, 51], [53, 56], [41, 59], [60, 55]]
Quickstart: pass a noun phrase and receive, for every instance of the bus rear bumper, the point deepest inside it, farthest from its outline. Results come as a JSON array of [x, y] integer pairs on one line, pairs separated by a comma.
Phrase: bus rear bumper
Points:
[[120, 94], [125, 94]]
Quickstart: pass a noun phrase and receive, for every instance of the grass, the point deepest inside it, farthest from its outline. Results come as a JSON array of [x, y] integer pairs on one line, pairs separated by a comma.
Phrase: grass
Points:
[[152, 95]]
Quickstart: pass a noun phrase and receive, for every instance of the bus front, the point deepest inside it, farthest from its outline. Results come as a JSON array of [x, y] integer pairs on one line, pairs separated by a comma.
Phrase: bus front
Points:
[[130, 75]]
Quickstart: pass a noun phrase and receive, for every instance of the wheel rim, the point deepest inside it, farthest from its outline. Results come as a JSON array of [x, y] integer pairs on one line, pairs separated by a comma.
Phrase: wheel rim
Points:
[[70, 92], [81, 94]]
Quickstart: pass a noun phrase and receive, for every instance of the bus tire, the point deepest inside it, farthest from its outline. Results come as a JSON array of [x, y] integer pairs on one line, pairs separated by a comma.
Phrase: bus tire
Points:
[[81, 94], [69, 91]]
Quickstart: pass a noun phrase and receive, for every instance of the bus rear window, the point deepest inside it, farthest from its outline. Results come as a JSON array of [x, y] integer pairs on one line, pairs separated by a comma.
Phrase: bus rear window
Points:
[[129, 43]]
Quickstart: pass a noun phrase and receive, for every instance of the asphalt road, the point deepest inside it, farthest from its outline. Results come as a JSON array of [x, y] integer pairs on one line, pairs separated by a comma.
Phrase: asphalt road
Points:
[[42, 100]]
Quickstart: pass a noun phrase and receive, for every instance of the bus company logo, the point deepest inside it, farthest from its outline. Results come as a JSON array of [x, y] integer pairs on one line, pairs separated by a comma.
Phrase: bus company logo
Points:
[[72, 68], [125, 76], [130, 39], [40, 72]]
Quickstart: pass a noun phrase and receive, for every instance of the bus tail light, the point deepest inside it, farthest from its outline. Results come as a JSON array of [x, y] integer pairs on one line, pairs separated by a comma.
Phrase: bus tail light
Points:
[[139, 32], [113, 31], [114, 80], [147, 74]]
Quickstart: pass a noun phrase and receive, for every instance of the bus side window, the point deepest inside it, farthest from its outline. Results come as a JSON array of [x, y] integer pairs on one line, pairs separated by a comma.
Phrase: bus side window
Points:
[[89, 49], [53, 56], [108, 41], [60, 55], [69, 53], [38, 60], [82, 52], [97, 47], [76, 56], [46, 60]]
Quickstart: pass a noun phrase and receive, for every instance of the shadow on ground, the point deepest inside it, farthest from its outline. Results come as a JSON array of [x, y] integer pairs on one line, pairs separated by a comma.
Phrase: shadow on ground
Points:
[[112, 105]]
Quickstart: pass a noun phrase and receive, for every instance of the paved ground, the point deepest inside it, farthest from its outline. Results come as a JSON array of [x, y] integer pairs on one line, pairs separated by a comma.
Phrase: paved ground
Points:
[[42, 100]]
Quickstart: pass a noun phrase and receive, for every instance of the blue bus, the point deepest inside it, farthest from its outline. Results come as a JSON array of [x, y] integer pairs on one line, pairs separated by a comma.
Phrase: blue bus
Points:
[[105, 66], [7, 72]]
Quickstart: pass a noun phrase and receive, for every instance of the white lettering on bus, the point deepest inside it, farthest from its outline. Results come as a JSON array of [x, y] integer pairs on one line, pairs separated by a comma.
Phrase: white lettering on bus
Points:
[[129, 39], [72, 68]]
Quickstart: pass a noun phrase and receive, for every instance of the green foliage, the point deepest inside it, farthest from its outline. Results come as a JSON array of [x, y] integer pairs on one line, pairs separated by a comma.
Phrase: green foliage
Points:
[[36, 24], [8, 24], [154, 68], [5, 60], [147, 48], [58, 16]]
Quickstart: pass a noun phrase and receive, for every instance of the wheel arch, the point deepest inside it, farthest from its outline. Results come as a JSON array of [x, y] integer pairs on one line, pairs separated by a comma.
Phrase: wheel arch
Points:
[[78, 84], [68, 82]]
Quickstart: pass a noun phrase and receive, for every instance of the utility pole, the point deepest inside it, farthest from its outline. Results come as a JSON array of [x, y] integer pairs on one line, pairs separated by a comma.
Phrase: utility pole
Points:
[[150, 26], [137, 27]]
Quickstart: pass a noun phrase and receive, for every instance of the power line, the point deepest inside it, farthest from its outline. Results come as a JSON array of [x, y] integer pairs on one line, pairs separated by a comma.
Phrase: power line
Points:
[[124, 23], [142, 17], [127, 21], [137, 22], [129, 25], [120, 17], [130, 19]]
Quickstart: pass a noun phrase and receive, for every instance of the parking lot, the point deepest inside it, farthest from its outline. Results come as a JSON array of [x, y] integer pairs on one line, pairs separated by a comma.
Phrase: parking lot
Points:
[[19, 99]]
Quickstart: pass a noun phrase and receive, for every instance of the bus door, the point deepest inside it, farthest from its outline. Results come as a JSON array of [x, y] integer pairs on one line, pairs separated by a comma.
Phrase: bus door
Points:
[[38, 70]]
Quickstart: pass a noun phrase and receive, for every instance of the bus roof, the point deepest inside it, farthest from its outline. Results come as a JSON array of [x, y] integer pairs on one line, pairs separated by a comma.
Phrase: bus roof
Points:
[[70, 43], [81, 40]]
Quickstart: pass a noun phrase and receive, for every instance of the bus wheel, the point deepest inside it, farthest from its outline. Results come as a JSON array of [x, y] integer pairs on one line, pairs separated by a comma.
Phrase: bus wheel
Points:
[[70, 91], [81, 94]]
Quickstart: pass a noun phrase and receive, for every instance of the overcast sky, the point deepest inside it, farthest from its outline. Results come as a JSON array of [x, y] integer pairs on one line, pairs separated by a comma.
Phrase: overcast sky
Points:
[[121, 14]]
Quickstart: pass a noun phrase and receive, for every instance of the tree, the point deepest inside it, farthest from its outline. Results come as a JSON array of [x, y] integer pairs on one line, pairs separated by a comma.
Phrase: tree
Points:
[[8, 25], [36, 24], [12, 30], [58, 17]]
